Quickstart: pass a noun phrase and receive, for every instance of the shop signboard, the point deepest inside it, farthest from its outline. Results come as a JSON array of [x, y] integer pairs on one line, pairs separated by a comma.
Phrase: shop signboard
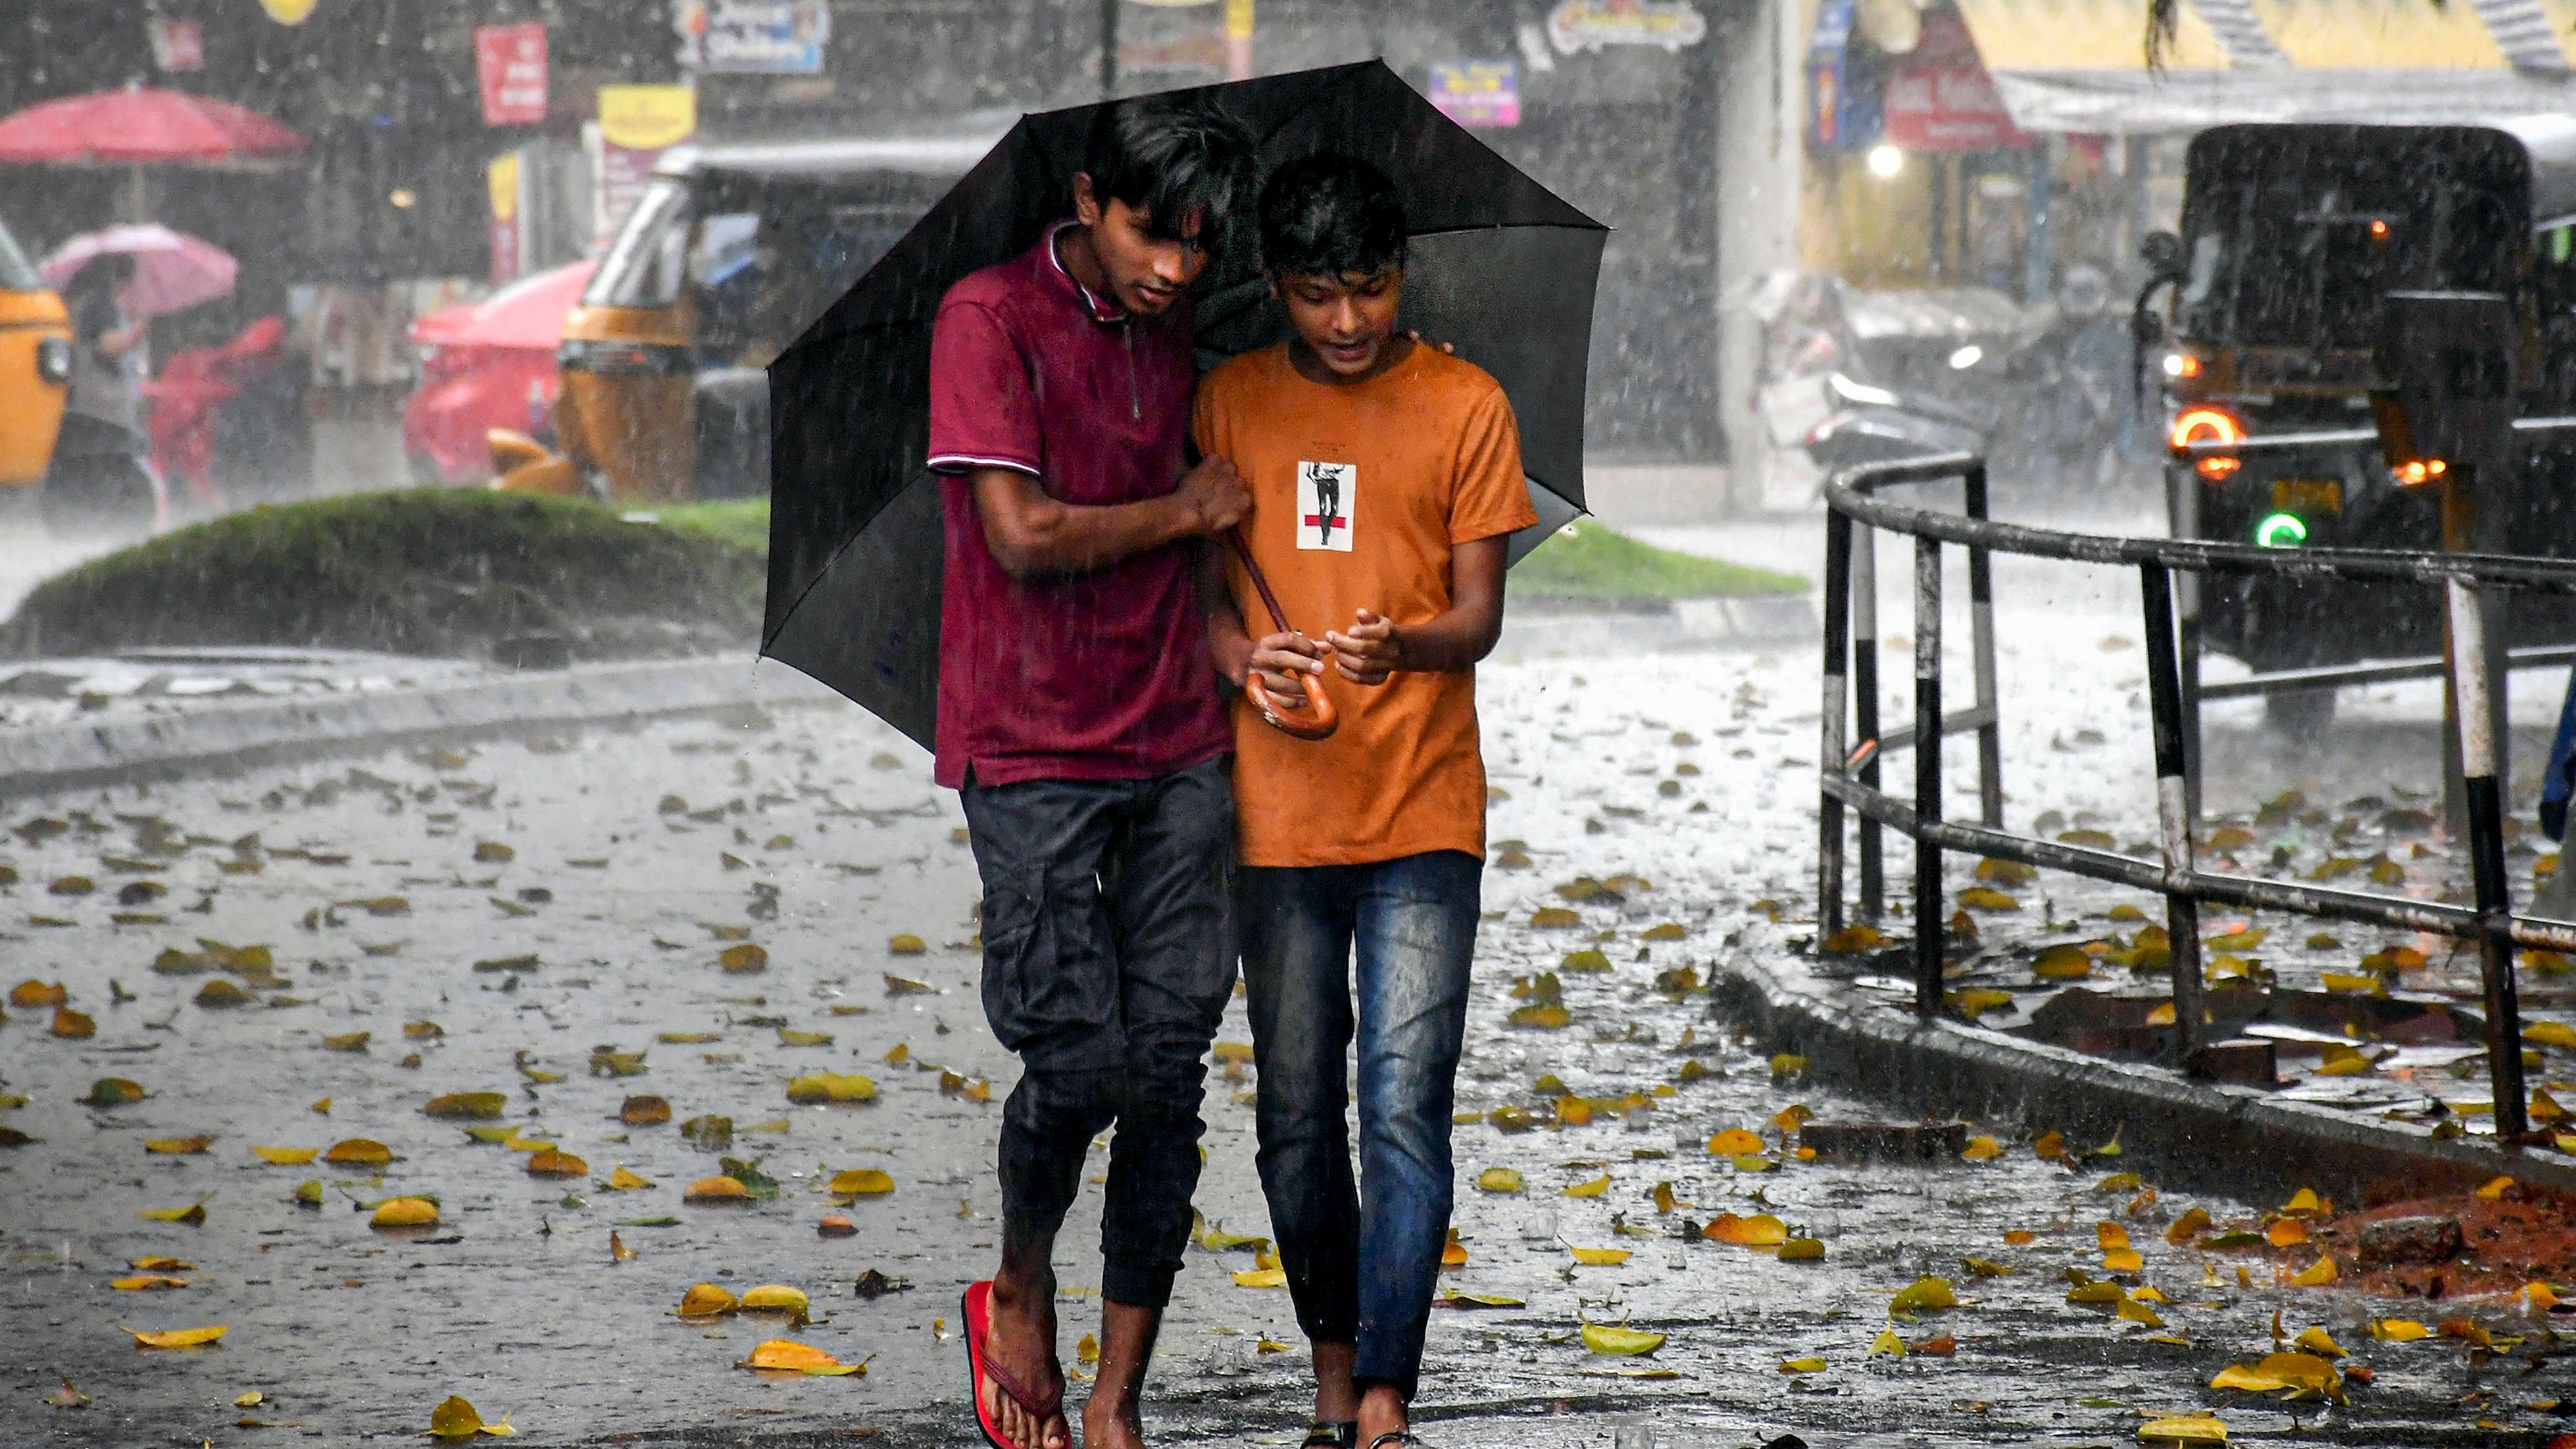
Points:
[[636, 125], [1590, 25], [753, 37], [508, 258], [1947, 106], [178, 45], [1842, 105], [1477, 92], [510, 62]]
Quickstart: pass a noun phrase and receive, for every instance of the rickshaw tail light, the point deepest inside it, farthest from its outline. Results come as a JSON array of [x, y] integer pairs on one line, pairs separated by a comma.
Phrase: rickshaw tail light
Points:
[[2209, 425], [2419, 471]]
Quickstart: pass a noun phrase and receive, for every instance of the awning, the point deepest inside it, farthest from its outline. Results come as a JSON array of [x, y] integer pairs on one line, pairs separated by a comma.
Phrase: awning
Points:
[[2080, 65]]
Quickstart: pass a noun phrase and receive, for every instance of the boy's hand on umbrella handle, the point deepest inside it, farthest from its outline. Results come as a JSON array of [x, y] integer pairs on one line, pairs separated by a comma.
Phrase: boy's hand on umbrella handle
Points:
[[1284, 662], [1370, 652], [1215, 494]]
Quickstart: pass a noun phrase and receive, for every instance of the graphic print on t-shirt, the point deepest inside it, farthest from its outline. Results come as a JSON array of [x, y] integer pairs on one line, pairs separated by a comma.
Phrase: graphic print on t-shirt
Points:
[[1324, 499]]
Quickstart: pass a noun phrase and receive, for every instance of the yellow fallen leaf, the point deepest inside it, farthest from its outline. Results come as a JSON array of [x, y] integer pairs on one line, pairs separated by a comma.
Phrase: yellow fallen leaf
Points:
[[2550, 1033], [1982, 1148], [470, 1106], [2161, 1014], [250, 1400], [2398, 1330], [178, 1337], [1261, 1278], [1542, 1015], [861, 1182], [624, 1179], [2278, 1371], [706, 1300], [404, 1212], [1814, 1365], [358, 1152], [2304, 1202], [1762, 1230], [1801, 1250], [618, 1252], [1595, 1188], [716, 1189], [1987, 898], [2110, 1235], [831, 1087], [2316, 1274], [1601, 1338], [1923, 1295], [2183, 1429], [1787, 1065], [146, 1283], [2123, 1260], [2136, 1312], [2318, 1341], [1602, 1257], [1887, 1342], [178, 1146], [555, 1162], [162, 1263], [1735, 1141], [72, 1025], [286, 1156], [787, 1355], [2097, 1293], [192, 1214], [456, 1419], [2062, 962], [776, 1298], [2193, 1222], [2286, 1233]]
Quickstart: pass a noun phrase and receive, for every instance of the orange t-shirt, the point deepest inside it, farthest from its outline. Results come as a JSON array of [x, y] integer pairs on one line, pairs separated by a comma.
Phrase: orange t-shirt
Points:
[[1359, 493]]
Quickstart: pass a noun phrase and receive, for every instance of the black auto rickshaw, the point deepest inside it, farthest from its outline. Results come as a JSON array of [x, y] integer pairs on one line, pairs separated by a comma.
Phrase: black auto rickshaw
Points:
[[2292, 238]]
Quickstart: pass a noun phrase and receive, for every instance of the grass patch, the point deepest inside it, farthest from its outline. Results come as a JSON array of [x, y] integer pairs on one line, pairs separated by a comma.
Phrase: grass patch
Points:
[[742, 522], [1597, 562], [435, 571]]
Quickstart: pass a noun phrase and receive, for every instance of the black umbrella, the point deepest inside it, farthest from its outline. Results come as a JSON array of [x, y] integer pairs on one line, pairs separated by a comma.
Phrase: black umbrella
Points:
[[1499, 267]]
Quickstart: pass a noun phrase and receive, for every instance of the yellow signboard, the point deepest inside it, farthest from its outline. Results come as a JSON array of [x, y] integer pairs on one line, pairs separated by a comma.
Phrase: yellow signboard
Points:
[[287, 12], [647, 118], [504, 176]]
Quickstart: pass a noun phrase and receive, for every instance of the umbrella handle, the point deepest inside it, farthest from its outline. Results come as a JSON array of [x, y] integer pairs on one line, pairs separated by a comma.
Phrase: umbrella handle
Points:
[[1315, 719]]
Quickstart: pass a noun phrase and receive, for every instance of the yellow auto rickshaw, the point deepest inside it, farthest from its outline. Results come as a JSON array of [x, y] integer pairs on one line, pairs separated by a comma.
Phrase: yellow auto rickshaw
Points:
[[35, 369], [729, 255]]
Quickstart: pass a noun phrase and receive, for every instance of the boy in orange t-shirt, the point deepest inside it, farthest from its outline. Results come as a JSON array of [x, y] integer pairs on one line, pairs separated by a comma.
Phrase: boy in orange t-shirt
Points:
[[1386, 479]]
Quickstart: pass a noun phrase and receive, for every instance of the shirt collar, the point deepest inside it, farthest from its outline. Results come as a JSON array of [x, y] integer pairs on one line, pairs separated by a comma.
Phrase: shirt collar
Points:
[[1101, 311]]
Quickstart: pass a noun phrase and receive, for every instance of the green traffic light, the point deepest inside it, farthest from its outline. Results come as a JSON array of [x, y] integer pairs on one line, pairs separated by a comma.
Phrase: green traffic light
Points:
[[2281, 530]]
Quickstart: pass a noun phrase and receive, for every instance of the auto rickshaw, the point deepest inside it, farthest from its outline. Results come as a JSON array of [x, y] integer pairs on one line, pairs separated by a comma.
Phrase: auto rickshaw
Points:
[[729, 255], [35, 370], [2292, 238]]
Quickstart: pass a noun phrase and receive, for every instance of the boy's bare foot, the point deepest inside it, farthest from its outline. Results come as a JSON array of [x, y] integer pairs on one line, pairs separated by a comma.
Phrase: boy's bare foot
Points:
[[1382, 1411], [1104, 1429], [1113, 1419], [1021, 1343]]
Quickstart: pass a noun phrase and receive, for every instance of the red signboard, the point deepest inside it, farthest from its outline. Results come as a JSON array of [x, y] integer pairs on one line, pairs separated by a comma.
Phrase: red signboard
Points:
[[1947, 107], [510, 60]]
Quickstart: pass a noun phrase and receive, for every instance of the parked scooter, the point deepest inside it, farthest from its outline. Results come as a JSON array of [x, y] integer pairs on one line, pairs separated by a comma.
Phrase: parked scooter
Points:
[[1867, 424]]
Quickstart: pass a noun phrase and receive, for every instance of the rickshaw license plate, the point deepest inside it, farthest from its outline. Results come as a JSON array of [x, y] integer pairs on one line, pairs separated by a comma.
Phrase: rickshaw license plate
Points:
[[2307, 495]]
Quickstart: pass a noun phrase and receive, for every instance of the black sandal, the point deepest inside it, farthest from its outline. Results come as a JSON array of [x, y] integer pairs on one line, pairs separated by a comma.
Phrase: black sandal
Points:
[[1395, 1439], [1340, 1434]]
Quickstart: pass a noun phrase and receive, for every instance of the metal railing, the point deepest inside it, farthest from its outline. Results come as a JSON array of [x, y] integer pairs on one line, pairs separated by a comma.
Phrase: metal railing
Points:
[[1849, 773]]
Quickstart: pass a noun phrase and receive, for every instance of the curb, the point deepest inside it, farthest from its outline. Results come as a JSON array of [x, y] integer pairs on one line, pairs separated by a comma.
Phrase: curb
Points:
[[222, 738], [2238, 1140]]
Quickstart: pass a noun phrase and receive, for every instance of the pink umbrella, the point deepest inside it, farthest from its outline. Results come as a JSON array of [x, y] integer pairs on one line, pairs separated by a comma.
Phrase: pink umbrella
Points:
[[172, 270]]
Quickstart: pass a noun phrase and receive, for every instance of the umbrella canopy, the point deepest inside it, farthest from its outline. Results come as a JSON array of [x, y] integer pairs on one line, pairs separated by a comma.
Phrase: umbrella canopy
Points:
[[173, 271], [528, 313], [143, 125], [1499, 267]]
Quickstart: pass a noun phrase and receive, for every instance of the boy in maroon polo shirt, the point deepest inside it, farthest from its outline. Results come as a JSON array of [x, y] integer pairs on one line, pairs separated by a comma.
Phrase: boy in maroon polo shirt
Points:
[[1079, 726]]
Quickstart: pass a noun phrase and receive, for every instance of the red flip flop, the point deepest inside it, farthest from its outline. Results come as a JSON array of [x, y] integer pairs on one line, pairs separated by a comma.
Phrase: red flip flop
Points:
[[977, 1310]]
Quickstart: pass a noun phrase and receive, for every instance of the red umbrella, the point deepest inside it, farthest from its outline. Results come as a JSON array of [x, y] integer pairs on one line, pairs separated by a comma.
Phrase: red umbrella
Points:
[[528, 313], [141, 125]]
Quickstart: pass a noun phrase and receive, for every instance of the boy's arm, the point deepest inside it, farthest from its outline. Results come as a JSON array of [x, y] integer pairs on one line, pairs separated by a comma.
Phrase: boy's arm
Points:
[[1034, 535], [1376, 647]]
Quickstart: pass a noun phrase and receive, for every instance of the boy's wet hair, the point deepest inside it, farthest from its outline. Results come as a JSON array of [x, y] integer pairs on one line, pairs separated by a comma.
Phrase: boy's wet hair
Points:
[[1170, 159], [1330, 215]]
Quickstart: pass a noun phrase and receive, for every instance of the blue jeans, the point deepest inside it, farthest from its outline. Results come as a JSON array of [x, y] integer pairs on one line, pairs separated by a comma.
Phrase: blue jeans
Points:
[[1362, 1278]]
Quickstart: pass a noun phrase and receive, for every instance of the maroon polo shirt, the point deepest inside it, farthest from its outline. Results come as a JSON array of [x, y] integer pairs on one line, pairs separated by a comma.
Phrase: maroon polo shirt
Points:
[[1096, 676]]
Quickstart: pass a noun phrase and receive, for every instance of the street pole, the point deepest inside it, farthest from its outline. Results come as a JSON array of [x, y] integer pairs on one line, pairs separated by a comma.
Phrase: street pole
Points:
[[1109, 49]]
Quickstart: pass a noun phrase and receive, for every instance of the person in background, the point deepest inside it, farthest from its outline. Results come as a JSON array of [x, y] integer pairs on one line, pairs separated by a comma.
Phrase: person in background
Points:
[[1079, 727], [107, 345], [1386, 481]]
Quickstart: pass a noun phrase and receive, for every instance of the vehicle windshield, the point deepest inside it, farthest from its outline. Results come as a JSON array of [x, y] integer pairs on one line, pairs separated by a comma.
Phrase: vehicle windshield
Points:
[[16, 275], [2295, 245], [644, 268]]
